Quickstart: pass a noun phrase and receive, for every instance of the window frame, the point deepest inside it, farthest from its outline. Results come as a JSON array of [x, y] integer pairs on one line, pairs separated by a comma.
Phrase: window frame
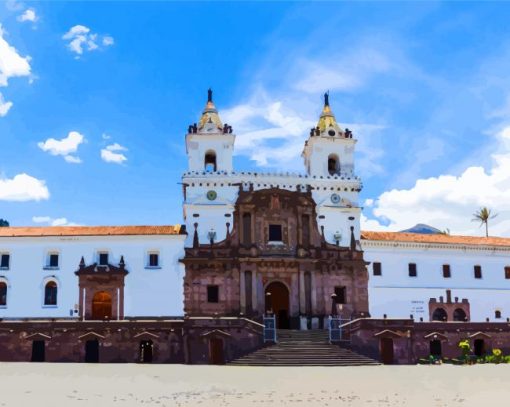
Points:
[[148, 262], [477, 272], [377, 271], [269, 233], [99, 254], [8, 255], [507, 272], [412, 270], [447, 271], [211, 287], [4, 281], [45, 285]]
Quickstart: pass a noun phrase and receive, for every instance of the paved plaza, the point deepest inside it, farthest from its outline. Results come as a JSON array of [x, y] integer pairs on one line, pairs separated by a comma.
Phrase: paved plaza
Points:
[[122, 385]]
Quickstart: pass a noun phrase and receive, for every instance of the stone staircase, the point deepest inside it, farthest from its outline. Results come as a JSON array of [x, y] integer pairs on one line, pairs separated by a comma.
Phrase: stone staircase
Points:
[[303, 348]]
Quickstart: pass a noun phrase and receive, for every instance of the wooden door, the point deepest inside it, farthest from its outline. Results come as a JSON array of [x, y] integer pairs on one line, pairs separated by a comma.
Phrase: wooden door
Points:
[[102, 305], [386, 348], [216, 353]]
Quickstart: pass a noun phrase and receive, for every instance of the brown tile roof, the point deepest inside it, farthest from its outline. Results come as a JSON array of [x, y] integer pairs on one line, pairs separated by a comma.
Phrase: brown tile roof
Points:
[[435, 238], [90, 231]]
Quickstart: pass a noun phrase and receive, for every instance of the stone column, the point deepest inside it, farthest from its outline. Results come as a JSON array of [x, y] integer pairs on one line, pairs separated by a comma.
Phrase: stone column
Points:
[[254, 291], [314, 293], [302, 296], [242, 291]]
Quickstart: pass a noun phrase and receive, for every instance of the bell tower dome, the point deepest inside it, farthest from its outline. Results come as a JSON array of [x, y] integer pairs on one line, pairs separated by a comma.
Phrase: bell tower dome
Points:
[[210, 143], [329, 150]]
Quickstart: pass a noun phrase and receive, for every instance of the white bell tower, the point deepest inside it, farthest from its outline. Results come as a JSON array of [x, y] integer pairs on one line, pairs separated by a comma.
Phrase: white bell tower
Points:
[[209, 145], [209, 195], [329, 160]]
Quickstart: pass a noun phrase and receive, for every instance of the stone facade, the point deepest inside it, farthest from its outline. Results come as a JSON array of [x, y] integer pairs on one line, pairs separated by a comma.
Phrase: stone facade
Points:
[[275, 249], [188, 340], [440, 310]]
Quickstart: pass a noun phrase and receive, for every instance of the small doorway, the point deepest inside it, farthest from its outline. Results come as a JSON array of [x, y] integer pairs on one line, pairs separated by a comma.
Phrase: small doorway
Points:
[[146, 348], [102, 305], [38, 351], [216, 352], [435, 348], [92, 351], [479, 347], [277, 301], [386, 351]]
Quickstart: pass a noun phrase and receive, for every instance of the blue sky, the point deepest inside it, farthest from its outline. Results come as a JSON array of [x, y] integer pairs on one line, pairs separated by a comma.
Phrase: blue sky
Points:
[[424, 86]]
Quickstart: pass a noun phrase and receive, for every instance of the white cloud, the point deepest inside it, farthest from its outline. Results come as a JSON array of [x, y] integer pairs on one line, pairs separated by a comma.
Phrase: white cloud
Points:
[[28, 15], [449, 201], [108, 41], [4, 106], [12, 64], [81, 39], [110, 154], [64, 147], [53, 221], [23, 187]]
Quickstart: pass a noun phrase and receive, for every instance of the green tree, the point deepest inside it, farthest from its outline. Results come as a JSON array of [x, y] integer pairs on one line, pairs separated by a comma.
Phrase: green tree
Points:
[[3, 223], [483, 215]]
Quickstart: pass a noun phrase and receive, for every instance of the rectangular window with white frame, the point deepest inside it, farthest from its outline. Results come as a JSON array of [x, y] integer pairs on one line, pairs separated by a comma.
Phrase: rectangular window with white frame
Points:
[[153, 260], [103, 258], [52, 261], [5, 261]]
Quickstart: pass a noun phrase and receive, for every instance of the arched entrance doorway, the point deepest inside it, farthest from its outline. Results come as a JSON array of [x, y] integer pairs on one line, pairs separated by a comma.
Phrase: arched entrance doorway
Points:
[[479, 347], [435, 348], [102, 305], [38, 351], [146, 348], [277, 300], [92, 351]]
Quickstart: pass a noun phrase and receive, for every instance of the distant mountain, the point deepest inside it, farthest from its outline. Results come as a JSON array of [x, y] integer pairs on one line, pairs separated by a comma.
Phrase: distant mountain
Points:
[[423, 229]]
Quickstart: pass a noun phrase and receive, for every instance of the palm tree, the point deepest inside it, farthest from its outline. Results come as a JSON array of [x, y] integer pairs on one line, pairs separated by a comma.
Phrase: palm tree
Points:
[[483, 215]]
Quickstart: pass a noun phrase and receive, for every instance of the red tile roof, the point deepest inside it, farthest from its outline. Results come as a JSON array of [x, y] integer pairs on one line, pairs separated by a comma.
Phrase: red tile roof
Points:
[[90, 231], [435, 238]]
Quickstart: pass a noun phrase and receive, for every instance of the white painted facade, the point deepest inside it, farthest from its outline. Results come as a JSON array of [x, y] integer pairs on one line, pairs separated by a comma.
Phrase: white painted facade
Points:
[[211, 192], [147, 292], [398, 295]]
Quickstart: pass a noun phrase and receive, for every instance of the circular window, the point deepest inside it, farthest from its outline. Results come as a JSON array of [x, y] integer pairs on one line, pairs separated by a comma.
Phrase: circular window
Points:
[[335, 198], [332, 132], [211, 195]]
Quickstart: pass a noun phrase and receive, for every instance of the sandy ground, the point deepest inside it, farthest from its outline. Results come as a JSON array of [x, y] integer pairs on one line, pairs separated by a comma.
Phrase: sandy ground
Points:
[[69, 385]]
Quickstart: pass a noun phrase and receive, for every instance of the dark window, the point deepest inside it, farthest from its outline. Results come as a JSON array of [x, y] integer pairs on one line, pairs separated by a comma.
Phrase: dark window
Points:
[[3, 294], [103, 259], [275, 233], [340, 295], [53, 260], [497, 314], [446, 271], [478, 271], [439, 314], [153, 260], [50, 293], [412, 270], [246, 229], [332, 164], [507, 272], [377, 269], [5, 261], [213, 292]]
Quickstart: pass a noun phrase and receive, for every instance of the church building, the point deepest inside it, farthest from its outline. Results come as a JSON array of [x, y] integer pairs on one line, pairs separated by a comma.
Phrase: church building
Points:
[[253, 246]]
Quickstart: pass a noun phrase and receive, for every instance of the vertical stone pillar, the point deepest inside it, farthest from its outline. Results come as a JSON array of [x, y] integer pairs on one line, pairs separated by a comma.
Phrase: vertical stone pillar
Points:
[[242, 291], [314, 292], [254, 295], [302, 304]]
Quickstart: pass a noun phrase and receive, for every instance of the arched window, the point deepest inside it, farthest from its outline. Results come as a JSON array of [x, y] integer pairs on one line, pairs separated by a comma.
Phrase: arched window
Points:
[[497, 314], [439, 315], [210, 161], [50, 293], [459, 315], [333, 164], [3, 294]]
